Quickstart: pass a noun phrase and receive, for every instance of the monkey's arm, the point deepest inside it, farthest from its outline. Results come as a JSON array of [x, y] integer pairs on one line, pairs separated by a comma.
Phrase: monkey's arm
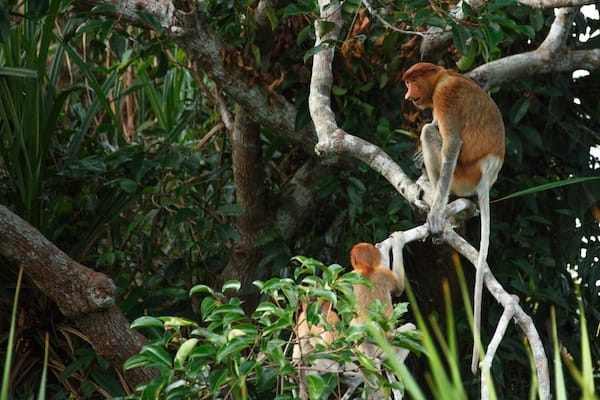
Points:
[[450, 151]]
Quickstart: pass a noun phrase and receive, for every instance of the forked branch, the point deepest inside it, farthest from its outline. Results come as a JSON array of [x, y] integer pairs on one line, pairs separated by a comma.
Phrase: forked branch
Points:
[[333, 140]]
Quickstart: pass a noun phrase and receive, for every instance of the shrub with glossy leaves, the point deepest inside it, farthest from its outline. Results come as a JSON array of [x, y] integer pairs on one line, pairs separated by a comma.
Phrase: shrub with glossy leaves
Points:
[[230, 355]]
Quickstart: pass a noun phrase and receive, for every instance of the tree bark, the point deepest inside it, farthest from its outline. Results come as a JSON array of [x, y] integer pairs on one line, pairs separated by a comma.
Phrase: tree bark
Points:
[[83, 295], [249, 177]]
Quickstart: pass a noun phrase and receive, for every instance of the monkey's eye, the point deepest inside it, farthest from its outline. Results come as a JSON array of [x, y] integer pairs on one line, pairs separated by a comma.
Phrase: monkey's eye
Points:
[[414, 79]]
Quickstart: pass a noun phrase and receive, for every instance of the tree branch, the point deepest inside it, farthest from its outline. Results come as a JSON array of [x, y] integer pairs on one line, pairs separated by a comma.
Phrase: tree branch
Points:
[[83, 295], [555, 3], [551, 56], [185, 25], [332, 139]]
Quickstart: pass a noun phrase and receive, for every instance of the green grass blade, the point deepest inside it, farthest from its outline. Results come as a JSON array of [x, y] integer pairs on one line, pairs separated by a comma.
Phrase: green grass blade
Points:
[[11, 339], [42, 391], [559, 377], [16, 72], [547, 186], [396, 365], [153, 97], [586, 354]]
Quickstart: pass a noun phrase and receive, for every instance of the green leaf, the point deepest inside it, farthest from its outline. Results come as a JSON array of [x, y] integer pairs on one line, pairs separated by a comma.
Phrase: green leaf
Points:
[[127, 185], [184, 351], [466, 8], [157, 356], [207, 306], [519, 109], [325, 27], [231, 210], [229, 309], [146, 322], [316, 386], [422, 15], [231, 285], [461, 37], [23, 73], [150, 21], [304, 34], [498, 4], [104, 9], [135, 361], [389, 43], [322, 293], [536, 19], [322, 46], [177, 321], [235, 346], [201, 289], [272, 15], [338, 91], [466, 61]]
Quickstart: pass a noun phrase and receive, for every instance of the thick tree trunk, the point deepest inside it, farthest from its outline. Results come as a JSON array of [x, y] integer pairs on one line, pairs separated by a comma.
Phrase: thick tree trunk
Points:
[[84, 296], [249, 177]]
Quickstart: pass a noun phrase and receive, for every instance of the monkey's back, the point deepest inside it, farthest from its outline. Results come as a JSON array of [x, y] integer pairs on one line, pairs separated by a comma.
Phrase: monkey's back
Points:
[[461, 104], [462, 107]]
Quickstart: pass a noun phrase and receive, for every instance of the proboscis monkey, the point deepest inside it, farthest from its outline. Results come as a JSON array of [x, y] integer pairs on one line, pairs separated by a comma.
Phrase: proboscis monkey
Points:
[[463, 157], [366, 260]]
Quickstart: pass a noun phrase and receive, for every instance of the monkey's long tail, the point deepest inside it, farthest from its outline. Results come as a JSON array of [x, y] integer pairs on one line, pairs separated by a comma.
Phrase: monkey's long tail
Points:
[[484, 209]]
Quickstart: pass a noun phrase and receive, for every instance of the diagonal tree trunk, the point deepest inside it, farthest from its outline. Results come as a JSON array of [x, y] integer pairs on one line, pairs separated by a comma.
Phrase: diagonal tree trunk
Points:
[[83, 295]]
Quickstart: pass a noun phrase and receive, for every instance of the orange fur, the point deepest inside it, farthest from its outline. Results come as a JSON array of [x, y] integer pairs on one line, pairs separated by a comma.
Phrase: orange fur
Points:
[[366, 260], [463, 108], [462, 155]]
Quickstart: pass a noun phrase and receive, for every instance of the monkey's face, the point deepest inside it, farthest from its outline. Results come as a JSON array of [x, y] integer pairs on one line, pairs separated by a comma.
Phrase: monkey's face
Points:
[[417, 93]]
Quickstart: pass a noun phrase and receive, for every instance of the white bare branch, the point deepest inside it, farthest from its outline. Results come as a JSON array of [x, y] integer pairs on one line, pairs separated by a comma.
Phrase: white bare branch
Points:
[[552, 55], [511, 303], [332, 139], [555, 3]]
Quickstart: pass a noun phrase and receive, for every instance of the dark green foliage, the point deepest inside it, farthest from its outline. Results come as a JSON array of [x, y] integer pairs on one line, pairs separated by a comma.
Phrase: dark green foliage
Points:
[[229, 355]]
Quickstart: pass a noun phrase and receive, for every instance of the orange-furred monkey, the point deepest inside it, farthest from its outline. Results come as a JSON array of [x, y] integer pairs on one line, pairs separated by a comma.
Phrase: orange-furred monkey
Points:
[[366, 260], [463, 157]]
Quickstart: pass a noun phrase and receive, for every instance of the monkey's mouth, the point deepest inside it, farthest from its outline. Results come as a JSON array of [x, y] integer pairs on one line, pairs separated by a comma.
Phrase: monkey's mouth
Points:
[[416, 100]]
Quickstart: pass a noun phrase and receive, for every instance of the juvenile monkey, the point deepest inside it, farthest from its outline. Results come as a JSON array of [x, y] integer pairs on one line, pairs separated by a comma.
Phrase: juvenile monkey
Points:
[[463, 151], [366, 260]]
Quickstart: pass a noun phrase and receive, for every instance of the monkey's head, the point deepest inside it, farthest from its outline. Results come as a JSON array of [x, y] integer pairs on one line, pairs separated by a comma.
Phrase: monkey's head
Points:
[[364, 257], [420, 80]]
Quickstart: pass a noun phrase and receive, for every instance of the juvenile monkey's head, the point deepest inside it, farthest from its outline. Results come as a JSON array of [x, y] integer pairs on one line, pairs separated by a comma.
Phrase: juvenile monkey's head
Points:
[[364, 258], [420, 80]]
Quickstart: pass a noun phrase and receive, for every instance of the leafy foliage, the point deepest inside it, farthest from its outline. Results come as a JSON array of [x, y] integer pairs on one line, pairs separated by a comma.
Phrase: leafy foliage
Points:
[[228, 355]]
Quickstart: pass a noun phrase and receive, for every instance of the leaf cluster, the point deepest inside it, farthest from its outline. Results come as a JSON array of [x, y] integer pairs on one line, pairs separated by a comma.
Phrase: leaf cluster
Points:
[[230, 355]]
